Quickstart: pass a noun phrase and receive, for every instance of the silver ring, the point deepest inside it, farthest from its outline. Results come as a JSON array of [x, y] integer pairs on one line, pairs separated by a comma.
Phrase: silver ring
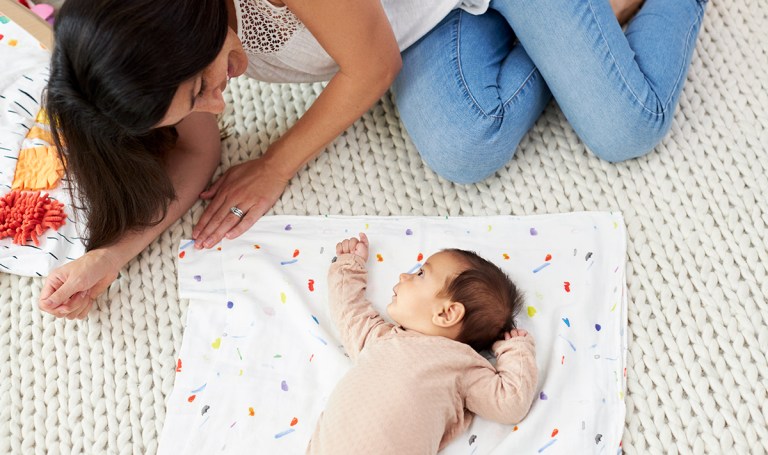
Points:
[[236, 211]]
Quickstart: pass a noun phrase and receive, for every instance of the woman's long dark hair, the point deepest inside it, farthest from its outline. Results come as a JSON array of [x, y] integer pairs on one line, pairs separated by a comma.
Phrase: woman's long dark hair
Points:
[[115, 68]]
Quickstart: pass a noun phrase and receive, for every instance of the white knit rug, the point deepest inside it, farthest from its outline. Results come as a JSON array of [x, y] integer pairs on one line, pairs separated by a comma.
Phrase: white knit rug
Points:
[[696, 211]]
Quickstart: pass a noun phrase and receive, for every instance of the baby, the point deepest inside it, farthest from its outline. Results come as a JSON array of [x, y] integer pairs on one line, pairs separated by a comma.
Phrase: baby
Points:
[[415, 385]]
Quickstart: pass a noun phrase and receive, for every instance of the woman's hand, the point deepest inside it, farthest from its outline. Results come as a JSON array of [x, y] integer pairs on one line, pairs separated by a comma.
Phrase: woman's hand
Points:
[[69, 291], [354, 246], [253, 187]]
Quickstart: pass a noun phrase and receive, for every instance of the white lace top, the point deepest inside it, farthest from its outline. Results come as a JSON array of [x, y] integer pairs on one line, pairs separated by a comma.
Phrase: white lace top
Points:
[[281, 49]]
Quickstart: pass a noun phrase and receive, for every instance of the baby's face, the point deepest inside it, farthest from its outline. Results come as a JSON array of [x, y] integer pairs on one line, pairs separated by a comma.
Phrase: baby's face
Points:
[[415, 298]]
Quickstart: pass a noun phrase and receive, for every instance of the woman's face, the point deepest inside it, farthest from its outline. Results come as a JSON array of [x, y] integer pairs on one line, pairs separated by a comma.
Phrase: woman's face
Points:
[[203, 93]]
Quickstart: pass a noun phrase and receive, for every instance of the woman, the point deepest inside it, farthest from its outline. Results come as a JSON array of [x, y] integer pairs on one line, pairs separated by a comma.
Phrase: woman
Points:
[[135, 86]]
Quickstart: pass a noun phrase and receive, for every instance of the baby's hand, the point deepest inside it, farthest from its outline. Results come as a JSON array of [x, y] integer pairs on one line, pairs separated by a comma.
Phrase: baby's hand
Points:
[[515, 333], [354, 246]]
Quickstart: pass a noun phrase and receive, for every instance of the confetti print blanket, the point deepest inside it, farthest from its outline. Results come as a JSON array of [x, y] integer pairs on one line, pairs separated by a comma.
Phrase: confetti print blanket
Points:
[[21, 128], [260, 354]]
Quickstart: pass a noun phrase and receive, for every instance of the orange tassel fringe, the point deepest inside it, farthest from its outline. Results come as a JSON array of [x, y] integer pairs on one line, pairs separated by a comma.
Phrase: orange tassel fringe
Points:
[[26, 215]]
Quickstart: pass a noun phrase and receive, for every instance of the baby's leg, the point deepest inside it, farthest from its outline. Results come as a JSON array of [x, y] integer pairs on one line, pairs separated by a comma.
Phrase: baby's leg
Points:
[[618, 92], [467, 94]]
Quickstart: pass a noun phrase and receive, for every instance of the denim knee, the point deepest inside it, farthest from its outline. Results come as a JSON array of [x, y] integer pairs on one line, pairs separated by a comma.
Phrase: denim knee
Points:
[[464, 156], [624, 140]]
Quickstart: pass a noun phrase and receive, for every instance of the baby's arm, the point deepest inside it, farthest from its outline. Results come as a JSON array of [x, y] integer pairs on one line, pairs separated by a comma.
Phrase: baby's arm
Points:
[[351, 311], [505, 394]]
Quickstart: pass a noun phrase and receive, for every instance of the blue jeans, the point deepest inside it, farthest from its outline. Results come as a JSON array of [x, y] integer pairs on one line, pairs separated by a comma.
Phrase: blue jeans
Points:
[[474, 85]]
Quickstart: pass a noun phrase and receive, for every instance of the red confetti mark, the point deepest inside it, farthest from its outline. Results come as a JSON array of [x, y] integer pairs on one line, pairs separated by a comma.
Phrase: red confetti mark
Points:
[[295, 253], [178, 366], [419, 257], [505, 256], [554, 432], [562, 360], [294, 421], [567, 286], [548, 258], [191, 398], [26, 215], [311, 285], [182, 254], [256, 247], [379, 258], [311, 357], [250, 412], [218, 249]]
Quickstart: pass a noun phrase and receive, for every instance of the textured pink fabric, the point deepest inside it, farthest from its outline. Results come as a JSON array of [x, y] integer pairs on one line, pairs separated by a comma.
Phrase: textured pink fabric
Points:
[[409, 393]]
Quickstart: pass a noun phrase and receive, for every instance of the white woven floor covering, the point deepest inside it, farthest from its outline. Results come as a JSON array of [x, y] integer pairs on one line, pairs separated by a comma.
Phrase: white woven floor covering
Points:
[[696, 212]]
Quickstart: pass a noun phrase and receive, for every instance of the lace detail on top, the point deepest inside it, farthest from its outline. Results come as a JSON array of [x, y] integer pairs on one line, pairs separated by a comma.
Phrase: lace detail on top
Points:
[[265, 28]]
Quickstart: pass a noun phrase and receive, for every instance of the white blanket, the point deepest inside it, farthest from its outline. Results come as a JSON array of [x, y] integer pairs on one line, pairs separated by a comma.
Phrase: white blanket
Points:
[[260, 355]]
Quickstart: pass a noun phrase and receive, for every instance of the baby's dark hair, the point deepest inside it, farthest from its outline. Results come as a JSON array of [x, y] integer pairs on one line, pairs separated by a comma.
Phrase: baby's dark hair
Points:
[[491, 301]]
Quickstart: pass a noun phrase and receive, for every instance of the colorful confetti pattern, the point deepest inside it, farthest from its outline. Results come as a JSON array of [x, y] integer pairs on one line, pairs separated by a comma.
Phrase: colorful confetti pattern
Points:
[[260, 357]]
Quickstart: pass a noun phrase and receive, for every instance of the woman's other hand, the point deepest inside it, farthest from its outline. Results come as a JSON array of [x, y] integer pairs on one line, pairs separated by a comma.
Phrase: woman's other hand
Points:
[[70, 290], [253, 187]]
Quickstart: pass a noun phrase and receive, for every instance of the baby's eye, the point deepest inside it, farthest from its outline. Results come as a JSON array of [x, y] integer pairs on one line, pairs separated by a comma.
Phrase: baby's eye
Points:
[[420, 272]]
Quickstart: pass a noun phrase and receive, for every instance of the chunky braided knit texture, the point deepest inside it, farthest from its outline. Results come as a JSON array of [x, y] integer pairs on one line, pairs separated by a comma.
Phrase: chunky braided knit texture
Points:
[[696, 211]]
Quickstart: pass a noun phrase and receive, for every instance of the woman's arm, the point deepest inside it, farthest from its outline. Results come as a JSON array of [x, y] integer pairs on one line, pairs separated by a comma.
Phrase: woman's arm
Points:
[[69, 290], [358, 36]]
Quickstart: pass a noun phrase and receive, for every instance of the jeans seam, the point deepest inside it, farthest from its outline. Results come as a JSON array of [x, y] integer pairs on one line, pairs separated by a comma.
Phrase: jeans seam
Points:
[[683, 68], [520, 89], [621, 74], [462, 81]]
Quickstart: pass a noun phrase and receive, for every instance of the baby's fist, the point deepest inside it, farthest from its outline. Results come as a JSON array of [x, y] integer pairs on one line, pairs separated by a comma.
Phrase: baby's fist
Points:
[[515, 333], [354, 246]]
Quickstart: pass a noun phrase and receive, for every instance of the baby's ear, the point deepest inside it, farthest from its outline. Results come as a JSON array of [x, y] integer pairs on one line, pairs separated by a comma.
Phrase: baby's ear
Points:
[[448, 314]]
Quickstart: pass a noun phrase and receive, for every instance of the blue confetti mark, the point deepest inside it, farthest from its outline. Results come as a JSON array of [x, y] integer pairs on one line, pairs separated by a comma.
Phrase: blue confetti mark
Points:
[[319, 339], [538, 269], [534, 231], [191, 242], [567, 322], [547, 445], [569, 342], [230, 305], [288, 227], [198, 278], [199, 389], [289, 262], [283, 433], [408, 232], [315, 319], [284, 386], [598, 327]]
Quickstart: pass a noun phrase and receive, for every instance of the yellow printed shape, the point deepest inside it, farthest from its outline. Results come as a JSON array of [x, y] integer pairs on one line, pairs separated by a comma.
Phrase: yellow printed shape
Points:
[[42, 117], [39, 133], [38, 168]]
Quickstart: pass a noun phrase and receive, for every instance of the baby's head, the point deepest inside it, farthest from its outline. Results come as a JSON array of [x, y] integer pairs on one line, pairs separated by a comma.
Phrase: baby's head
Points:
[[458, 295]]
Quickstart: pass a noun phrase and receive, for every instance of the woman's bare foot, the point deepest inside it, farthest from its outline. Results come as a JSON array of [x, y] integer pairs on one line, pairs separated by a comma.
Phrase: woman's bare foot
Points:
[[625, 9]]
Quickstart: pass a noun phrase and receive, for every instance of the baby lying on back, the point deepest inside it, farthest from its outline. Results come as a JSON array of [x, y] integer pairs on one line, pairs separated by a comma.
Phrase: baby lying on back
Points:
[[415, 384]]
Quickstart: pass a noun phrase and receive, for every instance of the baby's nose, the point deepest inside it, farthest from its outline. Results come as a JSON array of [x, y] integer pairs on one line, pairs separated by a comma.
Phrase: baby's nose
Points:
[[403, 276]]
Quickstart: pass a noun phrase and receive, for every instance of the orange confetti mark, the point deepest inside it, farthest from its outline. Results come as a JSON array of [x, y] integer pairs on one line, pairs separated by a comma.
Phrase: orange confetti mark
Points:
[[505, 256], [567, 286], [295, 253], [256, 247], [548, 258], [515, 429], [218, 249], [178, 366], [554, 432], [191, 398], [251, 412], [13, 43], [25, 216], [182, 254], [294, 421], [311, 285], [419, 257], [379, 258]]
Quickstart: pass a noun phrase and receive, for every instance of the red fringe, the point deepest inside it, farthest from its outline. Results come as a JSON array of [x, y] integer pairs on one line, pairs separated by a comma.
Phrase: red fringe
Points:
[[27, 215]]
